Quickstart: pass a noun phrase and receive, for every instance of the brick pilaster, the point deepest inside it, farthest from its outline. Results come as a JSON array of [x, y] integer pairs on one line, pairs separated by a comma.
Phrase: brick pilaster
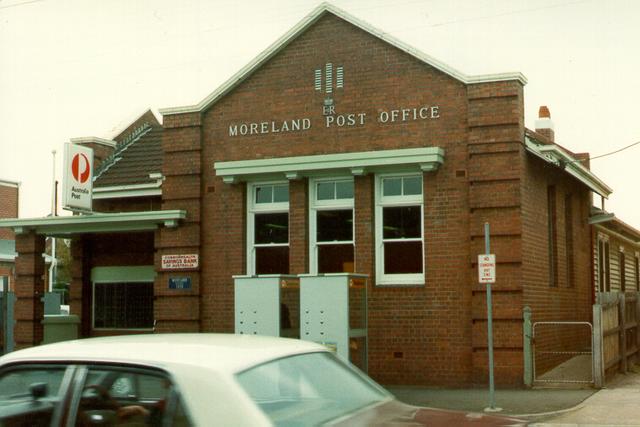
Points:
[[298, 227], [178, 310], [29, 289], [496, 115], [80, 288], [364, 227]]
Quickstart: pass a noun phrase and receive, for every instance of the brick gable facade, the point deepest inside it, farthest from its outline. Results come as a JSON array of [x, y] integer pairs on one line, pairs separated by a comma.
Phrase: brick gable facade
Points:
[[387, 99]]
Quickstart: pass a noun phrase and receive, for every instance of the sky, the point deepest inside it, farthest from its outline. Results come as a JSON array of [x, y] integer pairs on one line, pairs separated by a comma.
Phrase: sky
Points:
[[79, 68]]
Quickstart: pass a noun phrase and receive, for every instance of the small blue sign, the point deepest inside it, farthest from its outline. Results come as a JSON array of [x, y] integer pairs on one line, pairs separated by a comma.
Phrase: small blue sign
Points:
[[179, 282]]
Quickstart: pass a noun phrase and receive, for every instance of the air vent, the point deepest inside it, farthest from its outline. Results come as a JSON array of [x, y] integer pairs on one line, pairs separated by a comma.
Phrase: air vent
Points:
[[328, 82]]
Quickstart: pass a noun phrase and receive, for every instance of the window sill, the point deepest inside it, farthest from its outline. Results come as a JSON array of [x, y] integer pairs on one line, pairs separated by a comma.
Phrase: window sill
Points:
[[401, 282]]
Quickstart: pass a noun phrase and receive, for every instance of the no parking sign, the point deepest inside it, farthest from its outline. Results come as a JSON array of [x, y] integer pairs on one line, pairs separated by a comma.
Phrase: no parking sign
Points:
[[487, 268]]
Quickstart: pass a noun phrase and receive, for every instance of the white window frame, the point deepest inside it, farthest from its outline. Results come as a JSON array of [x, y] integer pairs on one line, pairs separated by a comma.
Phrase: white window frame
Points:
[[381, 202], [606, 266], [254, 208], [320, 205]]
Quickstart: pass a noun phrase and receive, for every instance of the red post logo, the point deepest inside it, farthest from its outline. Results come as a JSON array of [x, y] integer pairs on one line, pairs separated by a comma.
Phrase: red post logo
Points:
[[80, 168]]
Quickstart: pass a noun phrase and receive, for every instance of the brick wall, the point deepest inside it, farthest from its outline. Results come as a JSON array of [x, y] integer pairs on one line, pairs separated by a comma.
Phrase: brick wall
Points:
[[418, 335], [8, 209], [428, 334], [127, 204], [570, 298]]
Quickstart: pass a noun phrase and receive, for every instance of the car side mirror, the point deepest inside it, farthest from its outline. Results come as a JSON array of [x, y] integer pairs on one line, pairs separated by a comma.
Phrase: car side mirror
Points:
[[38, 390]]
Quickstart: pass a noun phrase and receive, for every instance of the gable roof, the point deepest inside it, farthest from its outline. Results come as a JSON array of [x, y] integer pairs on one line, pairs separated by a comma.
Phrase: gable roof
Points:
[[135, 159], [301, 27]]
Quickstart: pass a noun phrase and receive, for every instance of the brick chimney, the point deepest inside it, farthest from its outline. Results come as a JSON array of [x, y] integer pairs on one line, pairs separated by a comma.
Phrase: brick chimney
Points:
[[544, 124]]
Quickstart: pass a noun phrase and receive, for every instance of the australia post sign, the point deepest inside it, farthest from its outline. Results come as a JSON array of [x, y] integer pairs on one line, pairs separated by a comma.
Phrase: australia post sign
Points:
[[78, 177]]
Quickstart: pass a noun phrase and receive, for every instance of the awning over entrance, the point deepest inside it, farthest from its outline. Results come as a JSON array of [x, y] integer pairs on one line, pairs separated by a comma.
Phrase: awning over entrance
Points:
[[66, 226], [424, 158]]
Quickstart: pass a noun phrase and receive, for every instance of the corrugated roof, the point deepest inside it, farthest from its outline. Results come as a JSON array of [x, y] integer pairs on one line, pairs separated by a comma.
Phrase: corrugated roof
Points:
[[133, 161]]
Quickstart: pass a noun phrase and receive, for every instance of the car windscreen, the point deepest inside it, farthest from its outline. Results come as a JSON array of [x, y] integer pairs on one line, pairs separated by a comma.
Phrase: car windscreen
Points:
[[309, 389]]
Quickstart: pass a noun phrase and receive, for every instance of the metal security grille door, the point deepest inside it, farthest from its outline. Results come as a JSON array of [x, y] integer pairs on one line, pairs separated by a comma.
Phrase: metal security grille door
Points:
[[563, 353]]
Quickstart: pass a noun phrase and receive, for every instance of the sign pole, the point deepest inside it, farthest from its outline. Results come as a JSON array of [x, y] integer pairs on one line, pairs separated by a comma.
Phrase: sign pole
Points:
[[492, 397], [5, 322]]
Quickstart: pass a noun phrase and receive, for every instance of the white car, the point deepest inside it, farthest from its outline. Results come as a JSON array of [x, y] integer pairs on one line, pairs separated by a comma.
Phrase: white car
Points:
[[200, 380]]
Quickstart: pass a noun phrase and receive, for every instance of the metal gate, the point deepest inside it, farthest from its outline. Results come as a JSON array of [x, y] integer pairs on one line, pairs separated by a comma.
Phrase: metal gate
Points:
[[7, 300], [563, 353]]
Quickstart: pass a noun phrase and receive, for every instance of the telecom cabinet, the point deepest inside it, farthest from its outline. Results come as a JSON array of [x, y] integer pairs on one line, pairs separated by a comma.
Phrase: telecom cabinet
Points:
[[267, 305], [60, 327], [333, 312]]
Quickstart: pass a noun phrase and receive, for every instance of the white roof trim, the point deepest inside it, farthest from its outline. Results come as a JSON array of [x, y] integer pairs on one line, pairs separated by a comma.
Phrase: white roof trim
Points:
[[95, 223], [94, 140], [557, 156], [7, 183], [425, 159], [134, 190], [309, 20], [7, 258]]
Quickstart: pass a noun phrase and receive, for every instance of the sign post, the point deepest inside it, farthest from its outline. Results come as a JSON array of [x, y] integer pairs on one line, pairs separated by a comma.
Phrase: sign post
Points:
[[487, 274]]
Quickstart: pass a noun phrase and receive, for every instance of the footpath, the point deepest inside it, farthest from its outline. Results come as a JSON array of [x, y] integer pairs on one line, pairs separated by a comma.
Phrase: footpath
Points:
[[516, 402], [616, 405]]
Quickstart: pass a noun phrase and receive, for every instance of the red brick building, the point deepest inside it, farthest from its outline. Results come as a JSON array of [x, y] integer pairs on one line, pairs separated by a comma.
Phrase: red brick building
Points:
[[9, 191], [339, 149]]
